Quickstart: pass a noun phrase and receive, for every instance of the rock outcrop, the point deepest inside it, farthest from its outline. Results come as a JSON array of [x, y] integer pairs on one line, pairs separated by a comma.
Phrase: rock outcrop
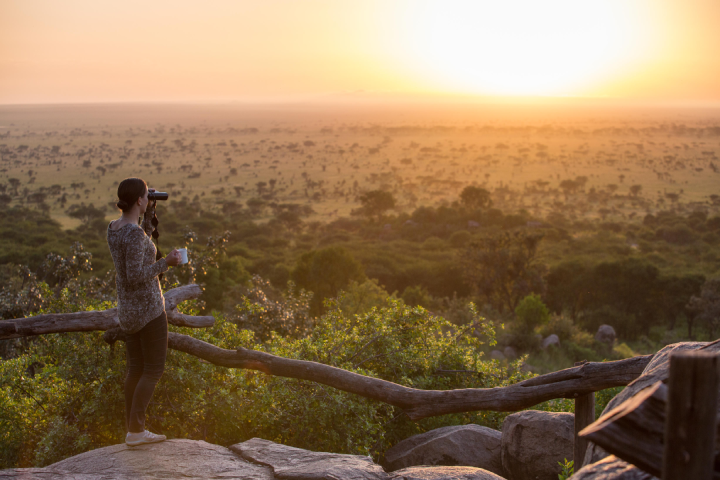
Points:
[[605, 334], [444, 473], [255, 459], [551, 340], [533, 443], [290, 463], [611, 468], [497, 355], [463, 445], [186, 459], [510, 353]]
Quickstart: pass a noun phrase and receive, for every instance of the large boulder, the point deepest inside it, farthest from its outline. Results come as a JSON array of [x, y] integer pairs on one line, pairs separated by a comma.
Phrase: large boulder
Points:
[[186, 459], [290, 463], [657, 370], [464, 445], [444, 473], [533, 443], [497, 355], [510, 353], [605, 334], [551, 340], [611, 468]]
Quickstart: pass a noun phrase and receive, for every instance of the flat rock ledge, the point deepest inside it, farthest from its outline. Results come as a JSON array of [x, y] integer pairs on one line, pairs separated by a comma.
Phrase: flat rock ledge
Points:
[[255, 459], [611, 468], [186, 459], [444, 473], [290, 463]]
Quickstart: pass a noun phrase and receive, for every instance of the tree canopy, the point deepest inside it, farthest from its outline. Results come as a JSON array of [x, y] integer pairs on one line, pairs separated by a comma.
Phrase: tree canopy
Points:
[[475, 198], [326, 272], [375, 203]]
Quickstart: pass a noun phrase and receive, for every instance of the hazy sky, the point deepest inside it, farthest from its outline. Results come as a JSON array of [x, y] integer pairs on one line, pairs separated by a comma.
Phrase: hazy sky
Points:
[[58, 51]]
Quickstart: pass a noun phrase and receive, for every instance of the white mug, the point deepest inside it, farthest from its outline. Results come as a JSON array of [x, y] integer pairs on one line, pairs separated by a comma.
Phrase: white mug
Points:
[[183, 256]]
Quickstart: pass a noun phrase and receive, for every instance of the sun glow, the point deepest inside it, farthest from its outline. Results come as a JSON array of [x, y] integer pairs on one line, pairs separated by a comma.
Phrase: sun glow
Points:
[[524, 47]]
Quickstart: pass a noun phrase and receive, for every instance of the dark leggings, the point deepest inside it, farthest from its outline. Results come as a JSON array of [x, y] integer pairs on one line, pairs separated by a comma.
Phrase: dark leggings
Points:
[[146, 351]]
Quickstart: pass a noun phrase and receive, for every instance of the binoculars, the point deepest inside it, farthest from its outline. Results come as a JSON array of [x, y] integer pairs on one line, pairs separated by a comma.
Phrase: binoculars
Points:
[[154, 196]]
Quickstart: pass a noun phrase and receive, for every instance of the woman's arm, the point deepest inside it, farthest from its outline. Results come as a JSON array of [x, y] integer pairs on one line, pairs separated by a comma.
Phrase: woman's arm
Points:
[[135, 271]]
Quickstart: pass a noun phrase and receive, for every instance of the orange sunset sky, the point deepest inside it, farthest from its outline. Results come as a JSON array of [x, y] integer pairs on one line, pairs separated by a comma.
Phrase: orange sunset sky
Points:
[[74, 51]]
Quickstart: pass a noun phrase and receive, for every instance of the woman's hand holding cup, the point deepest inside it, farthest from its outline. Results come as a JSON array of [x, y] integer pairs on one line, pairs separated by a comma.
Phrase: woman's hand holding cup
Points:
[[174, 258]]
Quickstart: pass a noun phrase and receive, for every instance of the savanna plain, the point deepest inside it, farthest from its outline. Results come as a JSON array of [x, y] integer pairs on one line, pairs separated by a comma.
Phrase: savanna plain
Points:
[[483, 239]]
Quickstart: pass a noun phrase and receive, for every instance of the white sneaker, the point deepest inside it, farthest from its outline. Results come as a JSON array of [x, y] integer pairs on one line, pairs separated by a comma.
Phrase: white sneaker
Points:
[[133, 439]]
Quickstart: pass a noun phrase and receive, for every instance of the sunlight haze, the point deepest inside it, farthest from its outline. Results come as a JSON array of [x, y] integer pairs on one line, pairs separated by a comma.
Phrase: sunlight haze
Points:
[[78, 51]]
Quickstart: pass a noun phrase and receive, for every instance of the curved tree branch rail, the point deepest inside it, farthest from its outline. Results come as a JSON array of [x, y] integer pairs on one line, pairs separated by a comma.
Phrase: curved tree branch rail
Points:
[[417, 404]]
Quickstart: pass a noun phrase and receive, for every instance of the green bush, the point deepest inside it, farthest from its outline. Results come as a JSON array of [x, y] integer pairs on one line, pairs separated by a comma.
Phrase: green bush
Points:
[[417, 295], [460, 238], [531, 312]]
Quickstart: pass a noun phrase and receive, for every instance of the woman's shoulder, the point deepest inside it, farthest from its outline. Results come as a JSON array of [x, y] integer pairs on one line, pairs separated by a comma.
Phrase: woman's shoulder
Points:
[[128, 232], [112, 227]]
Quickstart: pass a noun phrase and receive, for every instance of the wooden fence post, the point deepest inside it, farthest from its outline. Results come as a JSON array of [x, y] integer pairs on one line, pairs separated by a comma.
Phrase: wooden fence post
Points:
[[584, 416], [691, 412]]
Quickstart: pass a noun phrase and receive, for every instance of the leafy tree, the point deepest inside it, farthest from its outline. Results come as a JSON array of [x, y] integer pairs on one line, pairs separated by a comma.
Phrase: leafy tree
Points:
[[631, 288], [60, 271], [375, 203], [503, 267], [326, 272], [568, 187], [706, 307], [263, 310], [567, 287], [675, 294], [475, 198], [256, 205], [86, 213], [417, 295]]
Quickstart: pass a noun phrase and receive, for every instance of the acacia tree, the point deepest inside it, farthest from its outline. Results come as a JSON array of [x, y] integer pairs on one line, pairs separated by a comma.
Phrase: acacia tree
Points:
[[375, 203], [86, 213], [503, 268], [475, 198]]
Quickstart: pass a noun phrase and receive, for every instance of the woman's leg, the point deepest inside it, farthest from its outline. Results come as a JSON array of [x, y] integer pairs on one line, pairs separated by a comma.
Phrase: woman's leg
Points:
[[134, 360], [153, 343]]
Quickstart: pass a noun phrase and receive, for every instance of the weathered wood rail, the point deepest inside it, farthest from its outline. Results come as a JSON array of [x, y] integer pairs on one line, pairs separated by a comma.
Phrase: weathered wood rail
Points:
[[101, 319]]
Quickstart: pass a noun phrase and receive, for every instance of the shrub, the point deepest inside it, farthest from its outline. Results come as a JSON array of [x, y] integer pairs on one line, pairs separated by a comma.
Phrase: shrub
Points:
[[360, 298], [679, 234], [417, 295], [460, 238], [560, 325], [531, 312]]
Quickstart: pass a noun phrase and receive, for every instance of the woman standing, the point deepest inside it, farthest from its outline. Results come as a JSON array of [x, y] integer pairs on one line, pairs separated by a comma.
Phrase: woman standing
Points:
[[141, 306]]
